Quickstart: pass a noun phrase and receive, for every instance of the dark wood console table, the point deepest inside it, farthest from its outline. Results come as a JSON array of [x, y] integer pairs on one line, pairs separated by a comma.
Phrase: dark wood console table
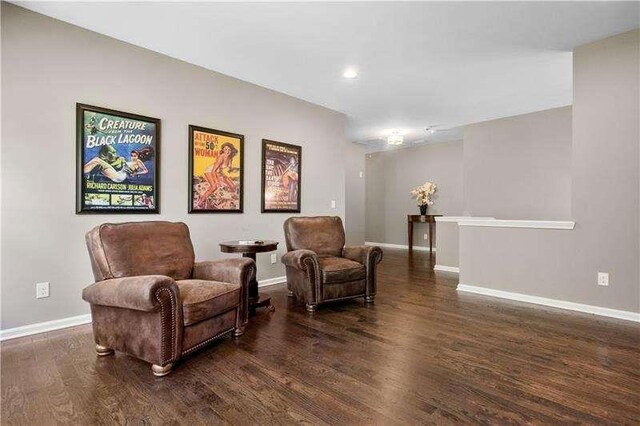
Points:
[[430, 219], [250, 250]]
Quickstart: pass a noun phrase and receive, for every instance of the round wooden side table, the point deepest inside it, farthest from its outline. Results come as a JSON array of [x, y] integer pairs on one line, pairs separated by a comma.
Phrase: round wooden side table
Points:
[[250, 250]]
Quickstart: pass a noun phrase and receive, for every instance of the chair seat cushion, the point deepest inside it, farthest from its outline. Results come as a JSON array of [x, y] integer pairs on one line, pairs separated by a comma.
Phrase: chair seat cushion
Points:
[[202, 299], [338, 270]]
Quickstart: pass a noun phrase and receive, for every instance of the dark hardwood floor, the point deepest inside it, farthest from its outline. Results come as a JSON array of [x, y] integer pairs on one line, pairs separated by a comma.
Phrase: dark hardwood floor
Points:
[[422, 354]]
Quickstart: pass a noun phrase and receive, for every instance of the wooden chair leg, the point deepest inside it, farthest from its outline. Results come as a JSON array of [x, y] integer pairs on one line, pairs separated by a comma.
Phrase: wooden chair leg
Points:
[[103, 350], [161, 370]]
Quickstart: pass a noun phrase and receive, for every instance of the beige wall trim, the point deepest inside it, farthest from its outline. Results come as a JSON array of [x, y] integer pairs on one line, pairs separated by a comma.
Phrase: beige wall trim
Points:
[[43, 327], [461, 218], [398, 246], [272, 281], [444, 268], [534, 224], [579, 307]]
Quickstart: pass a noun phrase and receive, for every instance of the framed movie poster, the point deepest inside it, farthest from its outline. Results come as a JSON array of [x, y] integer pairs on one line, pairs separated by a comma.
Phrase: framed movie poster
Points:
[[281, 166], [216, 171], [118, 161]]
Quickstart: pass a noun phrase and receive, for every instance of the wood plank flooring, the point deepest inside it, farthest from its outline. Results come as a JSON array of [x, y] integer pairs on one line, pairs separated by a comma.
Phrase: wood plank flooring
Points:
[[422, 354]]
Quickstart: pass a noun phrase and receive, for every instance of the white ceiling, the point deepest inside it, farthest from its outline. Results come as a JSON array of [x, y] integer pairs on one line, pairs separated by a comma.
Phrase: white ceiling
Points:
[[420, 63]]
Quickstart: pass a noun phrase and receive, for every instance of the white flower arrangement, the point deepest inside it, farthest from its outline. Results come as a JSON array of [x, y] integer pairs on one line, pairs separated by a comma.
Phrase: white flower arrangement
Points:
[[423, 194]]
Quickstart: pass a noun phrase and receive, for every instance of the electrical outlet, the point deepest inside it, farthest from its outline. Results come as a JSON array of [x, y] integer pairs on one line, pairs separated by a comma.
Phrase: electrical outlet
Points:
[[333, 204], [274, 258], [361, 174], [426, 236], [603, 279], [42, 290]]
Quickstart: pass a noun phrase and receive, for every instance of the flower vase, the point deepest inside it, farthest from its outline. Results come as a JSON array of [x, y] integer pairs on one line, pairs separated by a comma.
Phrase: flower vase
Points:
[[423, 209]]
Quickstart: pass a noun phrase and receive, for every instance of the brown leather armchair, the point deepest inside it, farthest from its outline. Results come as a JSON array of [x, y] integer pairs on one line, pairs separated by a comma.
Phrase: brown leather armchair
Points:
[[321, 269], [152, 301]]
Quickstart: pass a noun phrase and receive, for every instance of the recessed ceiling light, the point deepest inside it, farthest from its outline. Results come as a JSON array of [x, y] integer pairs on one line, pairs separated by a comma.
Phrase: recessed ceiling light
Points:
[[395, 138], [350, 73]]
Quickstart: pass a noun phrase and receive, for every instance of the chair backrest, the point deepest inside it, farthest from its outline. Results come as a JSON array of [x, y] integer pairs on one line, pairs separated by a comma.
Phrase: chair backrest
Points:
[[322, 234], [130, 249]]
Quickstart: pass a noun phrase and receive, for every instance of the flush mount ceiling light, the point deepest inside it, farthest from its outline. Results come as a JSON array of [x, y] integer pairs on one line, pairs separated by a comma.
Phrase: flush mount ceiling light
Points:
[[350, 73], [430, 130], [395, 138]]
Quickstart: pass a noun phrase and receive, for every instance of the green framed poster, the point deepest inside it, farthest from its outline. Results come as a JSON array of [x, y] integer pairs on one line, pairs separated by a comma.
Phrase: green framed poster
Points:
[[117, 161]]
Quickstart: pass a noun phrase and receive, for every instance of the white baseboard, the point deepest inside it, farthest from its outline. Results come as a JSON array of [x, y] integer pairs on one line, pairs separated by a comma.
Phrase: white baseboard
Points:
[[589, 309], [444, 268], [398, 246], [535, 224], [43, 327], [272, 281]]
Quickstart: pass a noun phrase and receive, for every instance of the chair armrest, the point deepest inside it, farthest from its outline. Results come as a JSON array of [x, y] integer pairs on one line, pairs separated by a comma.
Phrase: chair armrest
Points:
[[141, 293], [369, 256], [239, 270], [301, 259], [366, 255]]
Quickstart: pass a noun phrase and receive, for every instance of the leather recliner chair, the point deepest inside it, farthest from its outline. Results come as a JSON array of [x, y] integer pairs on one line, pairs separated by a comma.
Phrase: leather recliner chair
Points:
[[321, 269], [151, 299]]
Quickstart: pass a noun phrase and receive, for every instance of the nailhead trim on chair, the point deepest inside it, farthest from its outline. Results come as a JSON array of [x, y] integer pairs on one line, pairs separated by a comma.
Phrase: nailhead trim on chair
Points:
[[163, 322], [209, 340]]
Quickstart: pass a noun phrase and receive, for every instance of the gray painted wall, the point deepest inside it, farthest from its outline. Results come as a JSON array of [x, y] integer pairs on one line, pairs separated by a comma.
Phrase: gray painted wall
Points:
[[375, 194], [605, 197], [355, 194], [448, 244], [606, 139], [48, 66], [519, 167], [391, 175]]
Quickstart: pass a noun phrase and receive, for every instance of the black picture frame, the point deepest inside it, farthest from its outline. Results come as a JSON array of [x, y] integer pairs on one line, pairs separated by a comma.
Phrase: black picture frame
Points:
[[290, 149], [150, 203], [214, 132]]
